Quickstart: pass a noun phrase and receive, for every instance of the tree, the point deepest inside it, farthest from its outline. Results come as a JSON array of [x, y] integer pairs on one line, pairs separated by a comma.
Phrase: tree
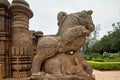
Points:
[[109, 43], [116, 37], [91, 40]]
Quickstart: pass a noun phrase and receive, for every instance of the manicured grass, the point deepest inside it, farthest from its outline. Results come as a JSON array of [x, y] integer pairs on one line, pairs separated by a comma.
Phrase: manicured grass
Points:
[[104, 65]]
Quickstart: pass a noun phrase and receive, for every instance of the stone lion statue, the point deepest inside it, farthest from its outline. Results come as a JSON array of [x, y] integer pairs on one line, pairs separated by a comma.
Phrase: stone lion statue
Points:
[[72, 32]]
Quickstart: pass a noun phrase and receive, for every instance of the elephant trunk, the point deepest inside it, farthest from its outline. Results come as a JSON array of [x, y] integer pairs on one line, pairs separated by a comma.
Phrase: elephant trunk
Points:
[[91, 27]]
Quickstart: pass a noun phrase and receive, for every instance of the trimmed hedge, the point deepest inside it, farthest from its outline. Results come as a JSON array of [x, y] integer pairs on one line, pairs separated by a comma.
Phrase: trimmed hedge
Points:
[[104, 65]]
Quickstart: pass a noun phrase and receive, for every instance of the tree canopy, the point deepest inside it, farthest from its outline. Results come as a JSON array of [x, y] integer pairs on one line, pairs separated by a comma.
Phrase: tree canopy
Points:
[[109, 43]]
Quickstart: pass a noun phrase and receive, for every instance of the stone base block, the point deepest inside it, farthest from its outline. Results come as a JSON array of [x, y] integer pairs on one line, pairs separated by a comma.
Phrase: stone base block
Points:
[[67, 77], [17, 79]]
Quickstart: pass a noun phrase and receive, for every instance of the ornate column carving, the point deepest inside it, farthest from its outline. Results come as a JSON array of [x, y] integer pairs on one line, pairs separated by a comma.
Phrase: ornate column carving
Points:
[[5, 38], [21, 42]]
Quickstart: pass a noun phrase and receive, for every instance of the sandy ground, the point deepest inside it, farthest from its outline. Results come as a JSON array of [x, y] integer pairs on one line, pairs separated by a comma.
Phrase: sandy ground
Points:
[[101, 75], [106, 75]]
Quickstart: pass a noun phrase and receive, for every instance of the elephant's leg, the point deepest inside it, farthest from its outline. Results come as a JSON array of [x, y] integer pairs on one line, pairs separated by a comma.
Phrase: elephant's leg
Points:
[[53, 66], [42, 55], [36, 64]]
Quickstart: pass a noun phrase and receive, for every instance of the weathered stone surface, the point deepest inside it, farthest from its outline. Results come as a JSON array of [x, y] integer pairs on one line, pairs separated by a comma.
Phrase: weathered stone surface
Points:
[[1, 72], [51, 54], [67, 77], [21, 1], [5, 26], [68, 64], [21, 38], [4, 3], [17, 43]]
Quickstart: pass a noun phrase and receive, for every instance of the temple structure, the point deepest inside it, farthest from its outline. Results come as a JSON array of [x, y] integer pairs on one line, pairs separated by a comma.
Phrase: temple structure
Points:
[[5, 37], [56, 55], [17, 42]]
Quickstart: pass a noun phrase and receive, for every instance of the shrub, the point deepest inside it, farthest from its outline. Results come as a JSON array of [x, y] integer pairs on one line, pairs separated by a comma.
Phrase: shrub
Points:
[[106, 59], [106, 55], [95, 55], [111, 55], [99, 60], [92, 56], [104, 65]]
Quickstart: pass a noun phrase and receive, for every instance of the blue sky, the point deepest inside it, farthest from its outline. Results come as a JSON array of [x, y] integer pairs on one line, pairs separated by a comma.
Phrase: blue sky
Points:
[[105, 12]]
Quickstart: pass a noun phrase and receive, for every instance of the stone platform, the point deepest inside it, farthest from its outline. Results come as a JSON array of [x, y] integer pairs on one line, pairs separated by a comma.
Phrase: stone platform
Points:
[[67, 77], [16, 79], [51, 77]]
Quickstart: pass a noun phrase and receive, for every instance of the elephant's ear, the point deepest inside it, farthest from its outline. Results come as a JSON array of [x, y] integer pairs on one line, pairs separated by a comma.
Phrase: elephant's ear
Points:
[[83, 13], [89, 12], [60, 17]]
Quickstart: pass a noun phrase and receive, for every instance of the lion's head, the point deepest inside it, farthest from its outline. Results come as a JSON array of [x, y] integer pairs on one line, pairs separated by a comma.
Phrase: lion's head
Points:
[[83, 18]]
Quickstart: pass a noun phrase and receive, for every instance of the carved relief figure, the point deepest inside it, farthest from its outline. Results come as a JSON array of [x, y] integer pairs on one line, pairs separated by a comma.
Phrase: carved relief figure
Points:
[[71, 36]]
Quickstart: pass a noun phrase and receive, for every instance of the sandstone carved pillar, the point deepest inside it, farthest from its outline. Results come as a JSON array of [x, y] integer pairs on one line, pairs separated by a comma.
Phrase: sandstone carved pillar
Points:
[[1, 72], [5, 38], [21, 41]]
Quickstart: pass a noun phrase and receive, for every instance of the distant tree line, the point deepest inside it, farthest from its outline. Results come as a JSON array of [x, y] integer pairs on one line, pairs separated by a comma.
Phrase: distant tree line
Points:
[[109, 43]]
